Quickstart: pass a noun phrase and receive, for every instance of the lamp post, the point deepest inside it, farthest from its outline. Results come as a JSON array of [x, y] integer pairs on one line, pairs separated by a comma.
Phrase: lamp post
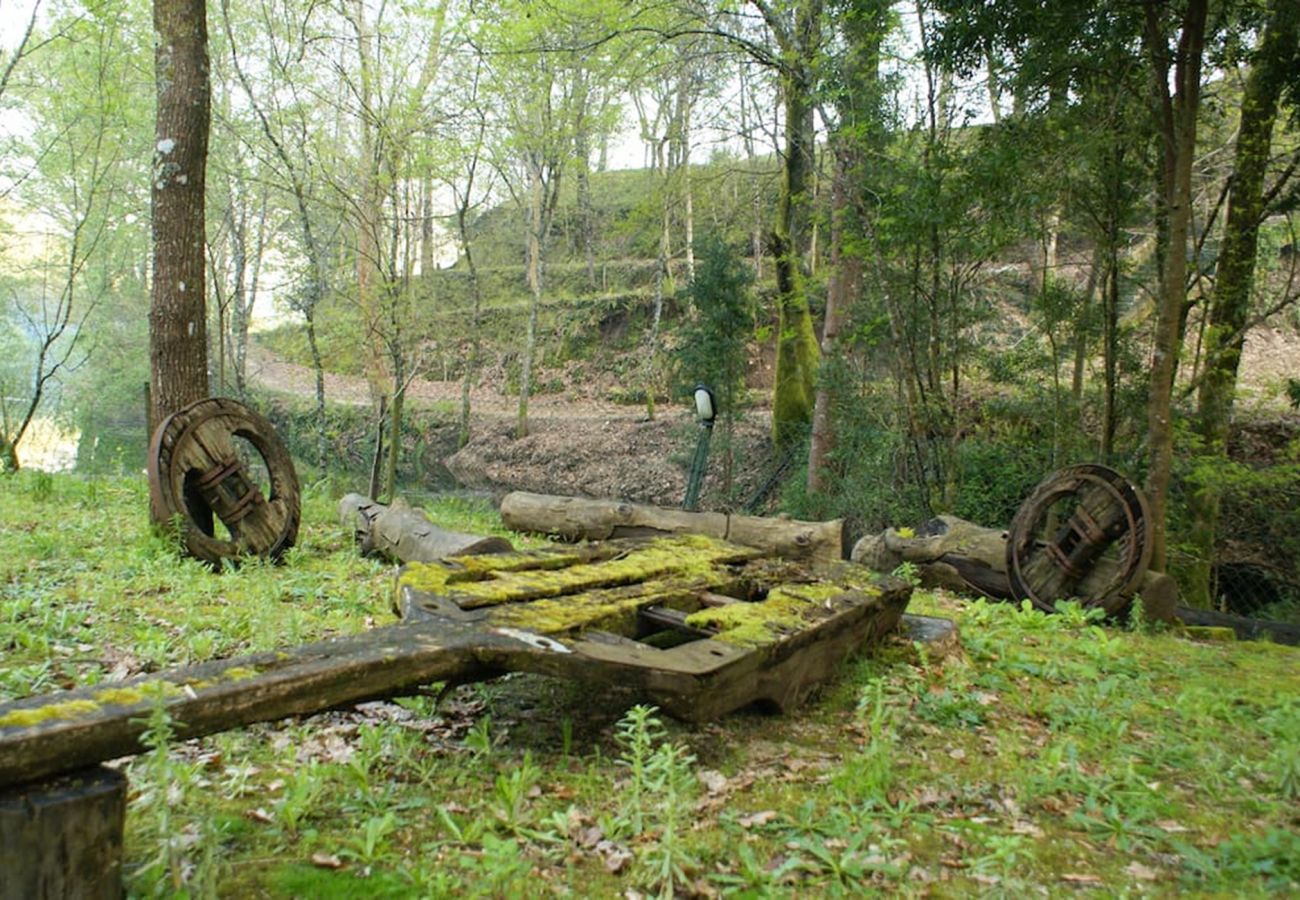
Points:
[[706, 410]]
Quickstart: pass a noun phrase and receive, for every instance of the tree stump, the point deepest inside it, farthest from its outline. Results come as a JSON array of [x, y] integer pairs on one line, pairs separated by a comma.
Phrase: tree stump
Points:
[[63, 837]]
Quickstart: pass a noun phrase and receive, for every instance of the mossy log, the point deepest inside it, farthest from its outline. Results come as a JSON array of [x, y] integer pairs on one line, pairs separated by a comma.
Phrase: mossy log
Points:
[[403, 533], [576, 518], [961, 556]]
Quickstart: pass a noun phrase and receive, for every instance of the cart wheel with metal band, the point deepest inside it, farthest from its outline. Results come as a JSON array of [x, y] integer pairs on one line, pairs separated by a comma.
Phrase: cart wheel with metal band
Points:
[[1084, 533], [220, 470]]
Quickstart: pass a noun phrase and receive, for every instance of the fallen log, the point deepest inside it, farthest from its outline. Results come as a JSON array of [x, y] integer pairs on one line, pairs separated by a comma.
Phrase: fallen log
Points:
[[575, 518], [403, 533], [958, 555], [1245, 628]]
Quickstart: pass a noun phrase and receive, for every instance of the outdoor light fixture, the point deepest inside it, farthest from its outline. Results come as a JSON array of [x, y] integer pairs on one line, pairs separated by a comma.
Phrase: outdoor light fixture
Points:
[[706, 410]]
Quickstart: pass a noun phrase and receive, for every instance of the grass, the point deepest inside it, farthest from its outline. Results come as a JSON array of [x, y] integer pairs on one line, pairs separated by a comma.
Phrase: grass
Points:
[[1050, 755]]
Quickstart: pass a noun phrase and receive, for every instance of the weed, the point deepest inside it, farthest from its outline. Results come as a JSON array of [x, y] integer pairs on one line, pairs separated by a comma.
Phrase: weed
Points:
[[637, 733], [513, 791], [479, 740]]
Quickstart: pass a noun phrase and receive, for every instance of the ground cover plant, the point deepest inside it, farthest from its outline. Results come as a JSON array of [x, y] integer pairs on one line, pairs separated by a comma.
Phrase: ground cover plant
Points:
[[1049, 754]]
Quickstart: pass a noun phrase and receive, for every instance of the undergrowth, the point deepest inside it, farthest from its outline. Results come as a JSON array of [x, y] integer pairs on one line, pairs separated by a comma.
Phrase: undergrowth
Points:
[[1050, 754]]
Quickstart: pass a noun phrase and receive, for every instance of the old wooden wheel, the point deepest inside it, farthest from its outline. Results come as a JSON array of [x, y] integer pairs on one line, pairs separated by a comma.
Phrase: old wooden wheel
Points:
[[1084, 533], [220, 471]]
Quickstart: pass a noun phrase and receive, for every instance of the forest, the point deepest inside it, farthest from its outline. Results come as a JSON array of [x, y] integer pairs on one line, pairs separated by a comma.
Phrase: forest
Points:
[[923, 253]]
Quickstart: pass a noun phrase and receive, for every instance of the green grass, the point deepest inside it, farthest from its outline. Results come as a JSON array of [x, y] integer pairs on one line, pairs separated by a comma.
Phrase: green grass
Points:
[[1050, 755]]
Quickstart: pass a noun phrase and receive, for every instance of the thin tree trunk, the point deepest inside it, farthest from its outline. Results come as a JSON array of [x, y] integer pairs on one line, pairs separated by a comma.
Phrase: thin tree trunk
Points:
[[535, 213], [1081, 329], [1178, 129]]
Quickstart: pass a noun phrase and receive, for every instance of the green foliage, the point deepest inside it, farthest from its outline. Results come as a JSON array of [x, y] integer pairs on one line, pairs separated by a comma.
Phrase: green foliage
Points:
[[713, 338], [1051, 744]]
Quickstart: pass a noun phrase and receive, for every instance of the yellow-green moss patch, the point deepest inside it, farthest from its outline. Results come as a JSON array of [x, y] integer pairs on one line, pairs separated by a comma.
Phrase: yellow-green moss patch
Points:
[[684, 556], [1211, 633], [611, 610], [783, 611], [68, 709], [136, 694]]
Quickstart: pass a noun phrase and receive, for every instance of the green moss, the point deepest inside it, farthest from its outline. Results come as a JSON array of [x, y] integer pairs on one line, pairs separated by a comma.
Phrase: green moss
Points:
[[783, 611], [684, 556], [1210, 633], [239, 673], [140, 693], [68, 709], [435, 577]]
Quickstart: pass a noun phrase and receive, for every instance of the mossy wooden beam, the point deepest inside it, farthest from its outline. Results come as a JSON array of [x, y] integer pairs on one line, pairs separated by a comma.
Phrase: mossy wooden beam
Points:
[[472, 584], [45, 735]]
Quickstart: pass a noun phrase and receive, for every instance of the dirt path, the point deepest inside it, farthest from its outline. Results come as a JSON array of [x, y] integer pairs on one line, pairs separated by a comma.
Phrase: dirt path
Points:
[[577, 444], [583, 402]]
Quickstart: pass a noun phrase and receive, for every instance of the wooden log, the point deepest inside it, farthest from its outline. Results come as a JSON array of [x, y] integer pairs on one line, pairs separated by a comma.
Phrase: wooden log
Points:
[[63, 838], [1245, 628], [403, 533], [958, 555], [575, 518]]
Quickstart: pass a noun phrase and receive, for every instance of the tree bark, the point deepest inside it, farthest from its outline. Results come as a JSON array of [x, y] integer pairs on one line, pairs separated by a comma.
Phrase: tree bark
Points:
[[797, 352], [1177, 116], [178, 341], [1230, 309]]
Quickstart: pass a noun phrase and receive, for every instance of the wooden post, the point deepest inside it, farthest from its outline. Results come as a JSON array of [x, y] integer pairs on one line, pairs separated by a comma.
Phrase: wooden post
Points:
[[63, 837]]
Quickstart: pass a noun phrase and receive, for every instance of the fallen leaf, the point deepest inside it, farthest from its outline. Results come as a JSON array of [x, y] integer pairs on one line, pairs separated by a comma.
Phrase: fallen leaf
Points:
[[957, 753], [1169, 826], [1079, 878], [754, 820], [260, 815], [326, 861], [1028, 828], [1141, 872], [714, 782], [616, 857]]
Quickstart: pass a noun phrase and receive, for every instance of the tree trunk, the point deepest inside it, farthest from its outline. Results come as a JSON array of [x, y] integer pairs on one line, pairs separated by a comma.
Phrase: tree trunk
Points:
[[178, 341], [797, 352], [845, 280], [318, 369], [1230, 310], [535, 214], [1177, 117], [476, 295]]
